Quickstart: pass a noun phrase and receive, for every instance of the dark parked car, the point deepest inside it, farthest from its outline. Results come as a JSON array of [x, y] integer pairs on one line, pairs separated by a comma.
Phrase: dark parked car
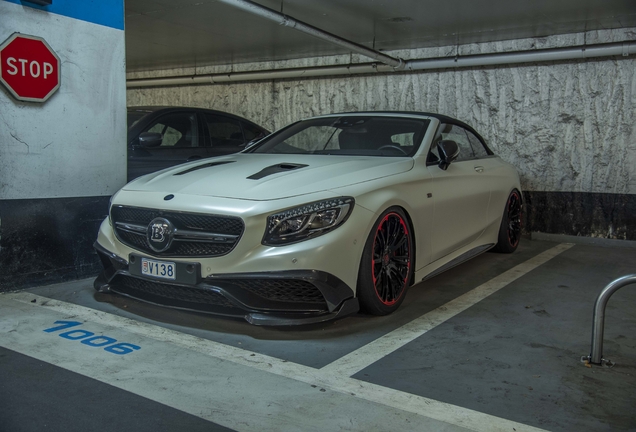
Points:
[[160, 137]]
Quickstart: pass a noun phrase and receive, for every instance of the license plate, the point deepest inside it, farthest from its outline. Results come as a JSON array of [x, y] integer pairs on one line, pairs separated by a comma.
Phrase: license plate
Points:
[[158, 269]]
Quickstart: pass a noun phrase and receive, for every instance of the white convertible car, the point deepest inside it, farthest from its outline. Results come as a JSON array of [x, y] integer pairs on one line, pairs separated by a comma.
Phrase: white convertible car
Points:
[[323, 218]]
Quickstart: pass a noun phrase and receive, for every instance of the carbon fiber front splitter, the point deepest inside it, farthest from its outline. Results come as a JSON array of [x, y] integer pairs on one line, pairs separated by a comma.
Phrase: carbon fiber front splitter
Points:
[[268, 298]]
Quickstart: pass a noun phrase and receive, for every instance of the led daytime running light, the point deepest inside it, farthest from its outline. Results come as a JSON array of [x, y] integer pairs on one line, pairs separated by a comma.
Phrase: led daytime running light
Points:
[[307, 221]]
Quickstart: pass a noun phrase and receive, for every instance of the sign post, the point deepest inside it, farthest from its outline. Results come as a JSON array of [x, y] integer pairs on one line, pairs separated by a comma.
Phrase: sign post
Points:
[[29, 68]]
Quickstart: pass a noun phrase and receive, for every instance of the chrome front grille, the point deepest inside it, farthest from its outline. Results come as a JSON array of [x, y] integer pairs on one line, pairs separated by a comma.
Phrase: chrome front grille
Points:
[[195, 235]]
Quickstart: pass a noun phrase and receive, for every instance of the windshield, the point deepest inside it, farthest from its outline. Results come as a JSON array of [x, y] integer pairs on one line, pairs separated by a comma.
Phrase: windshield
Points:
[[348, 135]]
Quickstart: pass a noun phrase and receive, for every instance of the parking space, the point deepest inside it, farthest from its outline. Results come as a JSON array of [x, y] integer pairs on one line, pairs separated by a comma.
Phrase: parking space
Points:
[[516, 353], [492, 345], [230, 386], [315, 345]]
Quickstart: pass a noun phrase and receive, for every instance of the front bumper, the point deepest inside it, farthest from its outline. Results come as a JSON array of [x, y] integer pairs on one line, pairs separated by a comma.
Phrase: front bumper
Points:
[[287, 297]]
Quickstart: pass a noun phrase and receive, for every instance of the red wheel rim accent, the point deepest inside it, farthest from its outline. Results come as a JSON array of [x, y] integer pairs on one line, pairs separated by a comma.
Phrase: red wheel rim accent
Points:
[[391, 259], [513, 209]]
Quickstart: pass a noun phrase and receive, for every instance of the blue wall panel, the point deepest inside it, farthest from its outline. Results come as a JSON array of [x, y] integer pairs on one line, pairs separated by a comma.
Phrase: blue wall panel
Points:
[[108, 13]]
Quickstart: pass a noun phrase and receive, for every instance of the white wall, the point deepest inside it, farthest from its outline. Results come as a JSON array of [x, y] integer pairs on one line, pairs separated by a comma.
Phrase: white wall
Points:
[[567, 126], [75, 143]]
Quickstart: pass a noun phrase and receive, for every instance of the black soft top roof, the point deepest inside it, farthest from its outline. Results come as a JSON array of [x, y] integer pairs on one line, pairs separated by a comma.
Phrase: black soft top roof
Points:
[[441, 117]]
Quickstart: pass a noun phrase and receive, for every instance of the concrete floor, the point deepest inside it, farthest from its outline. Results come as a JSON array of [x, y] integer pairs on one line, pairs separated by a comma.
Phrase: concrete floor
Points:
[[493, 344]]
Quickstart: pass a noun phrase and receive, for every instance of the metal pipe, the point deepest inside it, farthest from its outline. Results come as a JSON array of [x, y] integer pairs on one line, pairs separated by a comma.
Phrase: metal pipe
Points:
[[598, 321], [363, 68], [534, 56], [299, 73], [285, 20]]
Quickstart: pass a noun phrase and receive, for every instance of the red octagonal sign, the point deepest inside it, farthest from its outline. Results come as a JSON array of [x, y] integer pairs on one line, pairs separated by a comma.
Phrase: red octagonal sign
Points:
[[30, 69]]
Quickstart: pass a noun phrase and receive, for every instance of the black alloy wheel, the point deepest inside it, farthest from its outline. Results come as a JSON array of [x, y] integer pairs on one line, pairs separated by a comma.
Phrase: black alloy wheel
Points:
[[510, 229], [387, 263]]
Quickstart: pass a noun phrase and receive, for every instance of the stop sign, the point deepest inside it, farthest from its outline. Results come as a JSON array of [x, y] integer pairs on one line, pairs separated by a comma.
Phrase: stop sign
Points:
[[29, 68]]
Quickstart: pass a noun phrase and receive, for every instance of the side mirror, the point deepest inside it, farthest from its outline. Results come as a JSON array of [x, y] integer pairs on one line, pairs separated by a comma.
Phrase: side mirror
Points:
[[448, 152], [150, 139]]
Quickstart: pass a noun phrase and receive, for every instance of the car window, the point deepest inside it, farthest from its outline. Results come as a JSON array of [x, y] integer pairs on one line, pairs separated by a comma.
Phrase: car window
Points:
[[403, 139], [478, 146], [311, 140], [458, 134], [134, 117], [348, 135], [250, 132], [454, 133], [224, 131], [178, 130]]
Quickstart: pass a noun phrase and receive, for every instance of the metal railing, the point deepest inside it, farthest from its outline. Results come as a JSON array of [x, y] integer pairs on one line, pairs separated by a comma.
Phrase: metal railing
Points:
[[598, 321]]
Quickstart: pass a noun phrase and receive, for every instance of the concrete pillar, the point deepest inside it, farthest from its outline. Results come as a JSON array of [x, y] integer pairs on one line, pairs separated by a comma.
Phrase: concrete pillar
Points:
[[62, 159]]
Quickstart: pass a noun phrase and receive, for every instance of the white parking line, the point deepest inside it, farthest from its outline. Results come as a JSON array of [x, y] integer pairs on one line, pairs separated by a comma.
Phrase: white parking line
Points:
[[365, 356], [335, 376]]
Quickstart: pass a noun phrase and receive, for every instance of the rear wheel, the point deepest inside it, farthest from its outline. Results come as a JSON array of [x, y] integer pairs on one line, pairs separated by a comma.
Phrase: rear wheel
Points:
[[387, 264], [510, 229]]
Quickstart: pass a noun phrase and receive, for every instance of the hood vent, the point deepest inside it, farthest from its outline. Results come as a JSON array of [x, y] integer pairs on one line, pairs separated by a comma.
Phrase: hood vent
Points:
[[206, 165], [282, 167]]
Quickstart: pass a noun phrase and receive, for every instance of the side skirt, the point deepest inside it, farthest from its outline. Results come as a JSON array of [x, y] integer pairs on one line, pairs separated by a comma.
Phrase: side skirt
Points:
[[460, 259]]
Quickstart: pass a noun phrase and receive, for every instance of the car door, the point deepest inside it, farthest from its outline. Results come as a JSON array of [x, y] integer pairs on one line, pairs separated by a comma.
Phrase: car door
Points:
[[180, 143], [461, 195], [224, 135], [494, 172]]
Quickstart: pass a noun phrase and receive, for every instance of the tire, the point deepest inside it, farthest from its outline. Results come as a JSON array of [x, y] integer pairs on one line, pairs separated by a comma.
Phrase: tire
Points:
[[510, 229], [386, 269]]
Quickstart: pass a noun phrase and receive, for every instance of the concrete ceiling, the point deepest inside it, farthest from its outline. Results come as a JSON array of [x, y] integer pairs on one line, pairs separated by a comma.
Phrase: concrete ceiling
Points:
[[163, 34]]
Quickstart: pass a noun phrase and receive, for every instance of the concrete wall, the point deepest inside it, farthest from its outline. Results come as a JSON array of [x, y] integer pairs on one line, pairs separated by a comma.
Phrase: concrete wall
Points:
[[567, 126], [61, 160]]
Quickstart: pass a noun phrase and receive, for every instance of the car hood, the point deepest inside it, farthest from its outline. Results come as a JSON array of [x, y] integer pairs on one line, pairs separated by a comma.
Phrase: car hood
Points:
[[262, 177]]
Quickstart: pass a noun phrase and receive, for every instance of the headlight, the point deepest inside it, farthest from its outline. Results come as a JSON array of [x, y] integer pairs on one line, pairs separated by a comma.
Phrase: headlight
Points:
[[308, 221]]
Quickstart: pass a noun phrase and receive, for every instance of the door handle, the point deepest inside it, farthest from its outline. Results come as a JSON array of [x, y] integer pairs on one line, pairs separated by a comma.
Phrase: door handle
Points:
[[193, 158], [479, 169]]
